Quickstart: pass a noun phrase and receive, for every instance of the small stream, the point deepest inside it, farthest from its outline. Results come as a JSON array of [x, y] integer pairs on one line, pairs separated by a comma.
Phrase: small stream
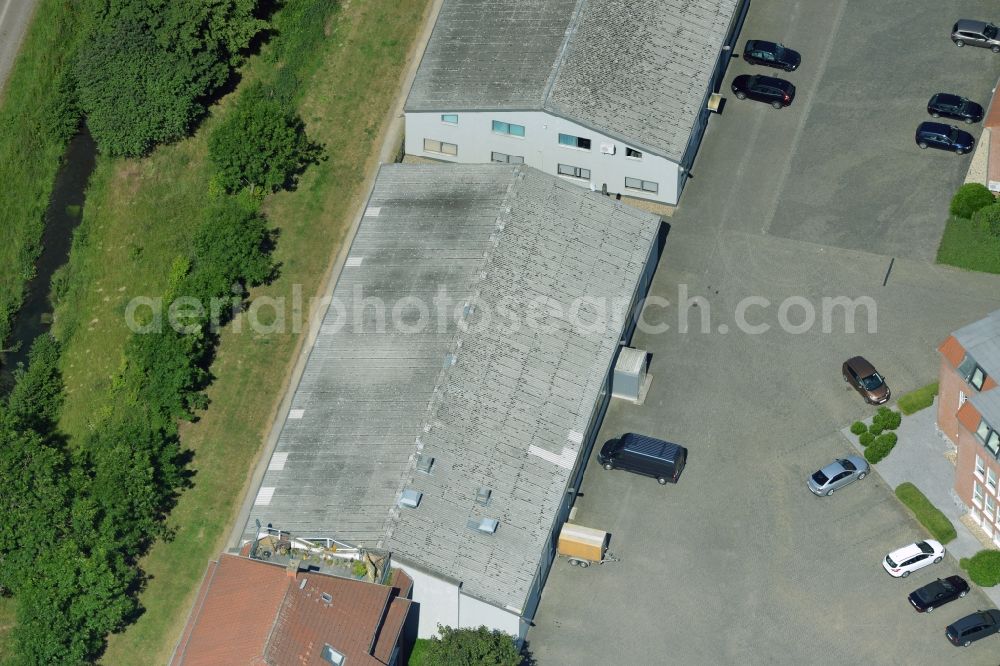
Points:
[[62, 217]]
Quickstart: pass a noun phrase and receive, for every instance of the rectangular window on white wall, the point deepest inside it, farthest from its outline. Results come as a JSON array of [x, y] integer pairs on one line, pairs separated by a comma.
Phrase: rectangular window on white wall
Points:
[[504, 158], [574, 141], [643, 185], [633, 153], [574, 172], [980, 467], [991, 480], [510, 129], [449, 118], [977, 494], [435, 146], [990, 509]]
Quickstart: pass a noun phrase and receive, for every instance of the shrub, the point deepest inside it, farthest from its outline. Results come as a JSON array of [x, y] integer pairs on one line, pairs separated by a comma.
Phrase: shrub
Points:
[[889, 437], [983, 567], [970, 198], [887, 419], [471, 647], [876, 429], [866, 438], [926, 513], [879, 449], [922, 398], [987, 219], [858, 427]]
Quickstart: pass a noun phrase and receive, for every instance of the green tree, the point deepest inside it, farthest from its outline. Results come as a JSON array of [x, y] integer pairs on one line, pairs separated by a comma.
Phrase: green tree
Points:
[[987, 218], [37, 396], [262, 143], [146, 70], [471, 647], [33, 505], [969, 198], [70, 602], [231, 246], [135, 93]]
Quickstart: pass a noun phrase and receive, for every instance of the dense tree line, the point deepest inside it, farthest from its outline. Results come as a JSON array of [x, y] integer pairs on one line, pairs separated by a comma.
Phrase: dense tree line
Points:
[[77, 516], [76, 520]]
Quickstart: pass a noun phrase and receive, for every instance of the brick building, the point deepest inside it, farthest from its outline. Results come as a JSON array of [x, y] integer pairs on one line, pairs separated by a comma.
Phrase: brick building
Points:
[[254, 612], [969, 415]]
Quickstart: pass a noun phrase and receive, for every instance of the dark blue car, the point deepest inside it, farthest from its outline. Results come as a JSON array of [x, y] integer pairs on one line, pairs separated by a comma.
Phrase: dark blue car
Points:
[[944, 137]]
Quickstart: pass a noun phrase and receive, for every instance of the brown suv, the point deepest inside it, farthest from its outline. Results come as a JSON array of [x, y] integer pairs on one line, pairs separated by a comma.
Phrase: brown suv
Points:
[[866, 380]]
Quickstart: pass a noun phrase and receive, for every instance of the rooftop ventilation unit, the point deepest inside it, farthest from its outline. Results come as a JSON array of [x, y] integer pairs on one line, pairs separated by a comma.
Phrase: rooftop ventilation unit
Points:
[[631, 379], [410, 498], [483, 495], [424, 463], [484, 525], [327, 598]]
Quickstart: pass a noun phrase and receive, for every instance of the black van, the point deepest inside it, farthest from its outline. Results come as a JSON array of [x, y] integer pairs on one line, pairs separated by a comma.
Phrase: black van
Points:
[[644, 455]]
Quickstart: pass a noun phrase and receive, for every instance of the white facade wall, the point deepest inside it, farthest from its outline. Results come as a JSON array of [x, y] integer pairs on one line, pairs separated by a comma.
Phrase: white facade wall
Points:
[[540, 148], [475, 613], [441, 602]]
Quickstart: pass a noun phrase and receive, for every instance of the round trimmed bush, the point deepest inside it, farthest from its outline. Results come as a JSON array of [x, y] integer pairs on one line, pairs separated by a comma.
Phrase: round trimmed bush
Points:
[[983, 567], [876, 428], [858, 427], [888, 439], [970, 198], [887, 419], [987, 219], [866, 438], [878, 450]]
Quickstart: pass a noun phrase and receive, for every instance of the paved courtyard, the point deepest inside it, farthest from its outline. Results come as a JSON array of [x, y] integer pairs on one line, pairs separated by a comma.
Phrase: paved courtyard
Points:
[[739, 563]]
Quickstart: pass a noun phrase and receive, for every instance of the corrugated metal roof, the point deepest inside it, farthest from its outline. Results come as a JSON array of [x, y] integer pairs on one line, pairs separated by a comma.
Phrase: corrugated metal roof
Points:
[[638, 71], [505, 411], [981, 340]]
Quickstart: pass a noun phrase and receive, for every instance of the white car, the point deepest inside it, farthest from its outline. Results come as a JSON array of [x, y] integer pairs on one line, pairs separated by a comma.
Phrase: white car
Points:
[[903, 561]]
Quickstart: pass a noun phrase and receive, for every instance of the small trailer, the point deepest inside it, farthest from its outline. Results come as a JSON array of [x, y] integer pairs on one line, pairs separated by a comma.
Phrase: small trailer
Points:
[[583, 545]]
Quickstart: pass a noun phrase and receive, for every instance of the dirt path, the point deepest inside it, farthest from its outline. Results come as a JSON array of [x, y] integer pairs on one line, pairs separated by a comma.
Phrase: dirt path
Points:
[[15, 17]]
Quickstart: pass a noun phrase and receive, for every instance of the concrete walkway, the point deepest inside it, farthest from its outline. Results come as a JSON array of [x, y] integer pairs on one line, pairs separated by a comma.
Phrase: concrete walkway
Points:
[[920, 458]]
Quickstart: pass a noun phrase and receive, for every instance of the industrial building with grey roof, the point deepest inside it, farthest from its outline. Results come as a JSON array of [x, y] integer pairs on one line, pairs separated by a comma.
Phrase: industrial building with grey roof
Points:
[[637, 71], [459, 378]]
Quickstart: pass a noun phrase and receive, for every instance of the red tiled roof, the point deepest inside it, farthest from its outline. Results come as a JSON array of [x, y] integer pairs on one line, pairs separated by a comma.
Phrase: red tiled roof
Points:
[[952, 350], [241, 598], [252, 612], [969, 417]]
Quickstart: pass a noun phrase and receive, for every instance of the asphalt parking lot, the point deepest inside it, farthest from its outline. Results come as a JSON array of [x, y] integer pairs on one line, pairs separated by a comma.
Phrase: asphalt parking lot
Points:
[[739, 563], [840, 166]]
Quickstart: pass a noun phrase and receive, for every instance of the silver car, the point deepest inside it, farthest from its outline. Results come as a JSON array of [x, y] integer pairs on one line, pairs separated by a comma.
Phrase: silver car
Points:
[[976, 33], [838, 474]]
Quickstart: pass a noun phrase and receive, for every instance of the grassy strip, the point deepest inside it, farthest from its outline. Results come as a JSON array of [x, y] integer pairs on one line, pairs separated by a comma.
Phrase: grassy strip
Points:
[[922, 398], [965, 246], [7, 608], [30, 152], [926, 513], [140, 214], [418, 652]]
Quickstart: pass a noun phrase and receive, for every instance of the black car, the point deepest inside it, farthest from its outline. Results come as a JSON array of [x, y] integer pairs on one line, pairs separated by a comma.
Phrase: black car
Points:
[[955, 107], [973, 627], [641, 454], [938, 593], [776, 92], [944, 137], [770, 54]]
